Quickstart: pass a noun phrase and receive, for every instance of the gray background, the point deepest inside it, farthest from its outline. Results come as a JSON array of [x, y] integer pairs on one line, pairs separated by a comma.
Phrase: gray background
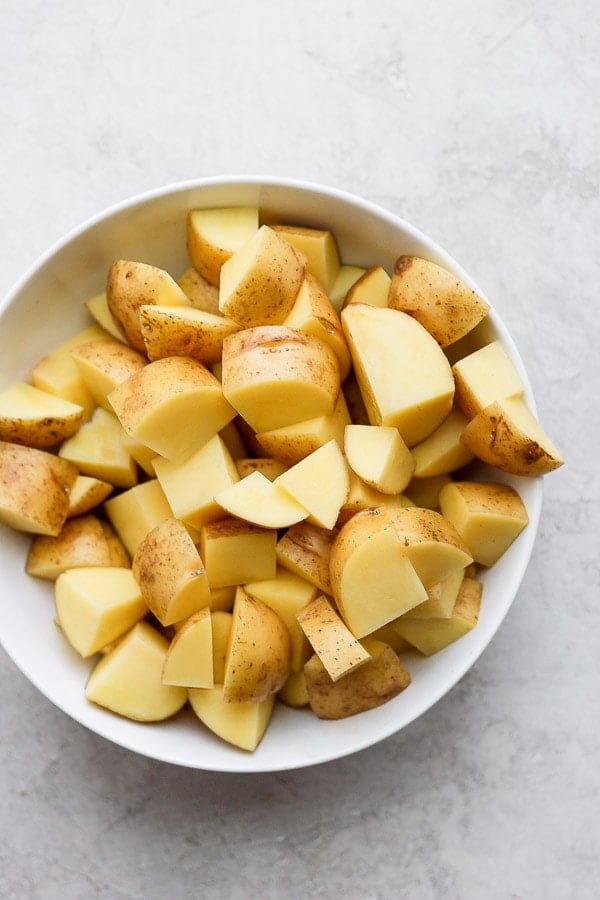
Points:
[[479, 123]]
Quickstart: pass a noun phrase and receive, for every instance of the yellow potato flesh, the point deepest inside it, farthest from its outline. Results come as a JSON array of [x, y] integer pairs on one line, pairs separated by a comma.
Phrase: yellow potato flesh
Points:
[[320, 249], [86, 493], [330, 638], [235, 552], [291, 443], [260, 501], [443, 451], [484, 376], [313, 313], [240, 724], [189, 659], [81, 542], [31, 416], [34, 489], [320, 483], [371, 288], [135, 512], [104, 364], [100, 449], [431, 635], [379, 456], [305, 550], [213, 235]]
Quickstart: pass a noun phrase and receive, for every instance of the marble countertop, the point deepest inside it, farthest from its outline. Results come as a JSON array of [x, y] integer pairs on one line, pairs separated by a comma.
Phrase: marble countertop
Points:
[[479, 123]]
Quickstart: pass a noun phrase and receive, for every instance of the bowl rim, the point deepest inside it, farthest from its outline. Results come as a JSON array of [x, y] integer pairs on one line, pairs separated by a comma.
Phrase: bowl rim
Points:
[[241, 762]]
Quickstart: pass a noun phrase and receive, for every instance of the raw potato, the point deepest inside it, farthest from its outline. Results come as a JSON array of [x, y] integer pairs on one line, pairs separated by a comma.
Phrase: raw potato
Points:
[[335, 645], [183, 331], [35, 418], [235, 552], [266, 465], [101, 449], [173, 405], [171, 573], [258, 654], [291, 443], [507, 435], [104, 364], [430, 636], [82, 541], [275, 376], [404, 378], [135, 512], [34, 489], [95, 605], [221, 621], [425, 491], [260, 501], [443, 304], [132, 284], [484, 376], [87, 493], [128, 679], [443, 451], [200, 292], [294, 693], [347, 276], [97, 306], [189, 659], [313, 313], [213, 235], [362, 496], [240, 724], [320, 483], [440, 598], [320, 249], [379, 456], [488, 516], [305, 550], [379, 679], [259, 282], [371, 288]]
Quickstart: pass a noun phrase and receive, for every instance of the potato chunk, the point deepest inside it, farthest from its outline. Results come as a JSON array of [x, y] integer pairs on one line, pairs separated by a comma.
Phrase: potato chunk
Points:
[[34, 488], [330, 638], [36, 418]]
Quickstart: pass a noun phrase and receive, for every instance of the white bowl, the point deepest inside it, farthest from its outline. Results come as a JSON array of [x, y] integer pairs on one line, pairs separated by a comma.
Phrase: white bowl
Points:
[[46, 307]]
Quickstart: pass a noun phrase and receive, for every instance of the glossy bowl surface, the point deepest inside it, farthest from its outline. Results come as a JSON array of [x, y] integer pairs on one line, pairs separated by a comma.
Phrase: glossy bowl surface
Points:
[[47, 306]]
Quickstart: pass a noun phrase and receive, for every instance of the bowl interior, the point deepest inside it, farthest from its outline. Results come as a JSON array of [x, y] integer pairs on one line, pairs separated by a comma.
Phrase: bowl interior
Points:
[[47, 307]]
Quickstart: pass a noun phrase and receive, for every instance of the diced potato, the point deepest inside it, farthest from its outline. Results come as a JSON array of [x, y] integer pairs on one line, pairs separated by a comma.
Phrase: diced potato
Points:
[[371, 288], [173, 405], [293, 692], [213, 235], [443, 451], [330, 638], [429, 636], [36, 418], [260, 501], [305, 550], [235, 552], [128, 679], [320, 483], [346, 276], [135, 512], [200, 292], [291, 443], [104, 364], [313, 313], [379, 456], [488, 516], [100, 449], [170, 572], [189, 659], [260, 280], [184, 331], [266, 465], [425, 492], [240, 724], [87, 493], [404, 377], [320, 249], [34, 489], [82, 541], [221, 621], [378, 680], [97, 306], [97, 604], [362, 496], [443, 304], [440, 598], [484, 376]]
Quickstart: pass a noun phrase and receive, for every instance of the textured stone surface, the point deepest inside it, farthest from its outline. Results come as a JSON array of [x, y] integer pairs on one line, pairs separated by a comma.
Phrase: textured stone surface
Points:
[[479, 123]]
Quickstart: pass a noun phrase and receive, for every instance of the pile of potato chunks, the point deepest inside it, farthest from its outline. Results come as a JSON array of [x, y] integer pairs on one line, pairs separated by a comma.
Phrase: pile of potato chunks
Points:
[[249, 484]]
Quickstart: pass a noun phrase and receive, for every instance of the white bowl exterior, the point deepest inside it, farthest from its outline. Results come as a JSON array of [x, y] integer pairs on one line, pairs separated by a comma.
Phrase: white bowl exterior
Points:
[[47, 307]]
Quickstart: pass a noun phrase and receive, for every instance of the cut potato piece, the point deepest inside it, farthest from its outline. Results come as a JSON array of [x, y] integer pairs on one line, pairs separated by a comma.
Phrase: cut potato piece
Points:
[[259, 282], [347, 275], [213, 235], [191, 486], [287, 594], [262, 502], [135, 512], [371, 288], [506, 434], [87, 493], [291, 443], [200, 292], [375, 583], [128, 679], [425, 492], [235, 552], [170, 572], [440, 598], [82, 541], [443, 304], [362, 496], [293, 693], [131, 284], [276, 376], [258, 654], [379, 679], [378, 455], [100, 449], [97, 604], [189, 659], [320, 249], [429, 636], [221, 621], [184, 331], [484, 376], [266, 465], [443, 451], [305, 550], [404, 378], [330, 638], [240, 724], [97, 306], [104, 364], [487, 515], [313, 313], [173, 405], [319, 483], [57, 373], [36, 418], [34, 489]]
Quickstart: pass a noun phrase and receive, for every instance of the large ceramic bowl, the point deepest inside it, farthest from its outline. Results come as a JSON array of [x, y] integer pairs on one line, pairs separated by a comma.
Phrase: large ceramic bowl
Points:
[[47, 306]]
